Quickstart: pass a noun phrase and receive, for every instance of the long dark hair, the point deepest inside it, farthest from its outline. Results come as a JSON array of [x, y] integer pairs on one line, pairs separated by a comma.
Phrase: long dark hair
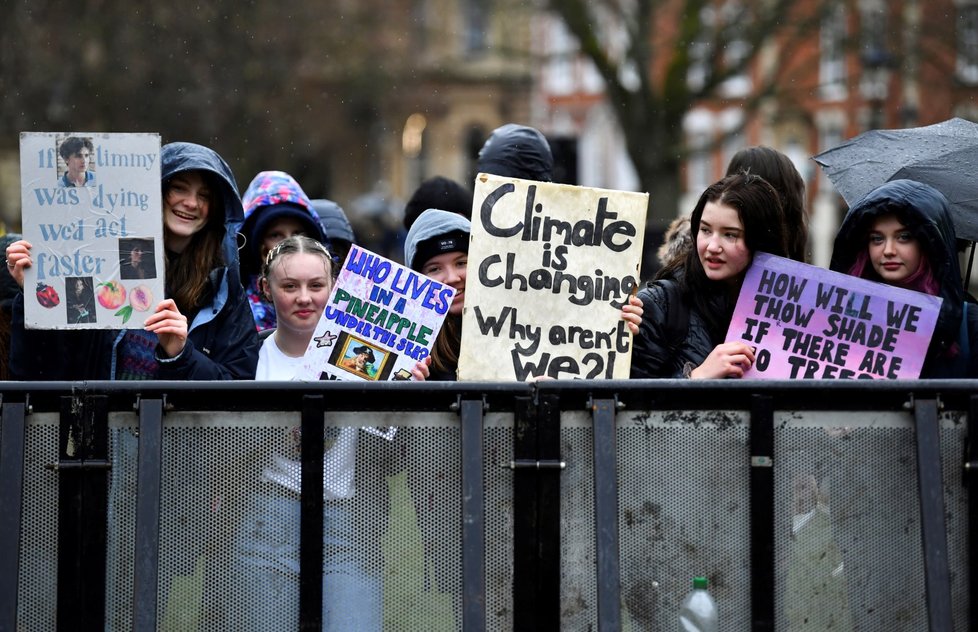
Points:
[[780, 172], [445, 351], [759, 208], [188, 273]]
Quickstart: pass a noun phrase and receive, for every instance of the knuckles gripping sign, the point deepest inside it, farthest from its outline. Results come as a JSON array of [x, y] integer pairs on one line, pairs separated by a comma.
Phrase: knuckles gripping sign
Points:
[[92, 212], [550, 266], [810, 323]]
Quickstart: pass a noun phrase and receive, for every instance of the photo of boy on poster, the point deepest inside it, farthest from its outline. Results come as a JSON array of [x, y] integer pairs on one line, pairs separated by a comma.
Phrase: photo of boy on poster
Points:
[[79, 300], [137, 258], [77, 153]]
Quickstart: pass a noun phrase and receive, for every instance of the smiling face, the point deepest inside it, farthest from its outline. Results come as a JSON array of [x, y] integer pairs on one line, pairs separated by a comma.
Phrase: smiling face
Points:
[[893, 250], [298, 285], [720, 243], [186, 206], [449, 268]]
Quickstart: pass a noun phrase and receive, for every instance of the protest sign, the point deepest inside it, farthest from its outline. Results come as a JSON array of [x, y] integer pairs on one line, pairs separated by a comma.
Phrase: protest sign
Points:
[[807, 322], [381, 318], [92, 212], [550, 267]]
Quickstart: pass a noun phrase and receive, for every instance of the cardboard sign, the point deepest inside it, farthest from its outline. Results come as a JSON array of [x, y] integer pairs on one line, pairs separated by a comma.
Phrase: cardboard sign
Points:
[[380, 320], [807, 322], [550, 267], [95, 224]]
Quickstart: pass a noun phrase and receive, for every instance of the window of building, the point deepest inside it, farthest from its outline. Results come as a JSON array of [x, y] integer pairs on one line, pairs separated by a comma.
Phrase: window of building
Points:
[[832, 55], [967, 57], [475, 27]]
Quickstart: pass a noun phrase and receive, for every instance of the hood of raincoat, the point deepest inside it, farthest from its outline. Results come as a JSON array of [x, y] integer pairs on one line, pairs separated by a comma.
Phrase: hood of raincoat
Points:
[[924, 210], [517, 151], [271, 196], [333, 219], [178, 157], [430, 225]]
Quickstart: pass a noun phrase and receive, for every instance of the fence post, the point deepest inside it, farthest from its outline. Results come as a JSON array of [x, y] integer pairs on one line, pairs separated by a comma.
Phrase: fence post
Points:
[[311, 515], [473, 517], [933, 527], [762, 513], [149, 469], [11, 498], [606, 515]]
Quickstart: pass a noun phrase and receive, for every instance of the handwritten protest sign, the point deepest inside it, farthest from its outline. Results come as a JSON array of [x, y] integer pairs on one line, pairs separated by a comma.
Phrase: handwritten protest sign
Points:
[[550, 267], [380, 320], [807, 322], [92, 212]]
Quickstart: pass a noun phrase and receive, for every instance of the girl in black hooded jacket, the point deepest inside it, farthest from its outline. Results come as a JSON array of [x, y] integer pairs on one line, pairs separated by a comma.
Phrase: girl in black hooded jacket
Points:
[[901, 234], [687, 308]]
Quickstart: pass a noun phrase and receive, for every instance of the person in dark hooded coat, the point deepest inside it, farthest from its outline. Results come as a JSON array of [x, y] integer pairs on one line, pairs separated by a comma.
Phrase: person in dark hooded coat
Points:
[[517, 151], [202, 330], [901, 234], [687, 308]]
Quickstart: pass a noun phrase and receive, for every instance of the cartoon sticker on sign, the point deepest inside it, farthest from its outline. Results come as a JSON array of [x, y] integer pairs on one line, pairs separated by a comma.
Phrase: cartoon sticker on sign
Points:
[[90, 235], [811, 323]]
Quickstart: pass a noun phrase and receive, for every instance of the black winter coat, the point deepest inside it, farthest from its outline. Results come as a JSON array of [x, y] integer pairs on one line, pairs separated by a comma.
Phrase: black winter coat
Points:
[[672, 333]]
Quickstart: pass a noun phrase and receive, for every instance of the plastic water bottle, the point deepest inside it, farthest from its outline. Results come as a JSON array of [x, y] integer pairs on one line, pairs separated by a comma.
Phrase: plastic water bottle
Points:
[[699, 610]]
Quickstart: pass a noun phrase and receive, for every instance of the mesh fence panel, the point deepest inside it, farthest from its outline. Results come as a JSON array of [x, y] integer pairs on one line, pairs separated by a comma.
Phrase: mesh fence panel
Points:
[[37, 592], [847, 533], [683, 512]]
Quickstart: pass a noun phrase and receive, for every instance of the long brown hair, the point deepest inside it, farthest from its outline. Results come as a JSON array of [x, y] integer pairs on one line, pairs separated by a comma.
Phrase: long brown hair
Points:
[[444, 353], [188, 273]]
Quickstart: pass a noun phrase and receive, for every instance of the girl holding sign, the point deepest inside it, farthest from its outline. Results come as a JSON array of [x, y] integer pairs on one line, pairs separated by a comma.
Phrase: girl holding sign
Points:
[[202, 330], [297, 278], [901, 234], [688, 306]]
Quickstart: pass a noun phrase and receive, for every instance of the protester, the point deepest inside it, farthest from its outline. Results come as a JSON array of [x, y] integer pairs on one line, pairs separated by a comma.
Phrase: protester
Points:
[[780, 172], [202, 330], [275, 207], [517, 151], [438, 247], [297, 278], [77, 152], [336, 226], [901, 234], [689, 304], [441, 193]]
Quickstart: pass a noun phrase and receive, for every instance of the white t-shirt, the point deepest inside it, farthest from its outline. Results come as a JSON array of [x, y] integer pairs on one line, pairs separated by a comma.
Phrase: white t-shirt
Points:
[[339, 462]]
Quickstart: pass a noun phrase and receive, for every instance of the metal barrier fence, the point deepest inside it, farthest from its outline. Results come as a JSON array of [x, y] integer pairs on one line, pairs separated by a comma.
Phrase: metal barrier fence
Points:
[[555, 506]]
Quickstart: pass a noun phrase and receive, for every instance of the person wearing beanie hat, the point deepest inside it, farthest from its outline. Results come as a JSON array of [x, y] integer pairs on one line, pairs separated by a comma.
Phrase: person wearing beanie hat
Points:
[[337, 228], [438, 192], [517, 151], [275, 207], [438, 246]]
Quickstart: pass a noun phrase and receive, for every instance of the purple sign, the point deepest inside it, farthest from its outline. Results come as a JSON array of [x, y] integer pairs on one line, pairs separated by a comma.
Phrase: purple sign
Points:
[[808, 322]]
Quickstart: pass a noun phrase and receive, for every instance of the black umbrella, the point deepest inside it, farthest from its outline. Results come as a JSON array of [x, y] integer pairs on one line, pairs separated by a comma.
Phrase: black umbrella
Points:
[[944, 155]]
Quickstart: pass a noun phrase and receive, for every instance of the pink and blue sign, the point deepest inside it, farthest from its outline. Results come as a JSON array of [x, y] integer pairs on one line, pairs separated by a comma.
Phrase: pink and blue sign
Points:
[[810, 323]]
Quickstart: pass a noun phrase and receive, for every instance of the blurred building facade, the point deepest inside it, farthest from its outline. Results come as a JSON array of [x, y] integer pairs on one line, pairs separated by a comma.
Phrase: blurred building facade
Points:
[[864, 64]]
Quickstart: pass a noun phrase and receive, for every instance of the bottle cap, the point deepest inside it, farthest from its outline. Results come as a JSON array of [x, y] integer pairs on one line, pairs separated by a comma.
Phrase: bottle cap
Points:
[[699, 583]]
